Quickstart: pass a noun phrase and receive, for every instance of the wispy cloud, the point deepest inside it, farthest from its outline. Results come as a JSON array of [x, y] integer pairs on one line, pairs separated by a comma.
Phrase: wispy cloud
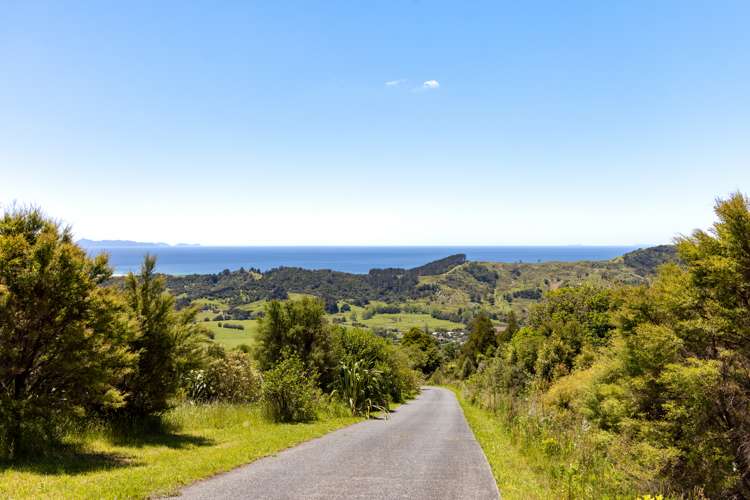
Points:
[[431, 85], [394, 83]]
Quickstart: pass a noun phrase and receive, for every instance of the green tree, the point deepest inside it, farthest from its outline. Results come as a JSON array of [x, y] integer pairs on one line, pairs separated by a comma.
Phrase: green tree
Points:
[[482, 339], [61, 335], [296, 327], [718, 343], [429, 356], [168, 343], [511, 328], [686, 360]]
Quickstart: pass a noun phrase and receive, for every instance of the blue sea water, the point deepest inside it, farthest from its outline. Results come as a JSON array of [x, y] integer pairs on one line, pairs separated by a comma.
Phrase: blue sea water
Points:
[[204, 260]]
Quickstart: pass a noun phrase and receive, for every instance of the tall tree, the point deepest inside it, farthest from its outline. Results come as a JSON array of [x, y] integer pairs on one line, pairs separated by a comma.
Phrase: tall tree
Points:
[[482, 339], [167, 343], [511, 328], [718, 263], [62, 336]]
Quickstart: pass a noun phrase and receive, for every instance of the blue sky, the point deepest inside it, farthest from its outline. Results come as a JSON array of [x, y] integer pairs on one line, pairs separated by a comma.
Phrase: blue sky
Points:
[[274, 123]]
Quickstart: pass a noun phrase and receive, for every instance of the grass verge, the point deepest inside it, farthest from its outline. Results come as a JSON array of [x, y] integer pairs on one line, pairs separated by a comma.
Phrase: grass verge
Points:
[[532, 460], [516, 478], [210, 439]]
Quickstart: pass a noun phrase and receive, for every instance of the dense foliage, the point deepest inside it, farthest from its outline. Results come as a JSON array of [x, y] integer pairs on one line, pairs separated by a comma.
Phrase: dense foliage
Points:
[[62, 336], [228, 377], [423, 349], [645, 388], [290, 392], [363, 370], [296, 327], [397, 379], [72, 348], [167, 343]]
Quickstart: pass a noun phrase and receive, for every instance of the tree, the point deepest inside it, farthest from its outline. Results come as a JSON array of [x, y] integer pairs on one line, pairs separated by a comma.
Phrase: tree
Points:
[[685, 365], [482, 339], [296, 327], [167, 343], [429, 357], [718, 263], [512, 327], [62, 336]]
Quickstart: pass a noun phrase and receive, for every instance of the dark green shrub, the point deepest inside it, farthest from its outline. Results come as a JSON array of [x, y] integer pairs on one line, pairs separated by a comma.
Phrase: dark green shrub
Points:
[[290, 393], [296, 327]]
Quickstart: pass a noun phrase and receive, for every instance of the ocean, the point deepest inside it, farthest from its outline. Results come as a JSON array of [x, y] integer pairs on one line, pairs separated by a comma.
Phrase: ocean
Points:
[[205, 260]]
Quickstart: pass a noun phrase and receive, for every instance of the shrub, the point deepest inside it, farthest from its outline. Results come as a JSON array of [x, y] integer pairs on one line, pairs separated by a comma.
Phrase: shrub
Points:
[[361, 387], [230, 379], [298, 327], [398, 379], [290, 392]]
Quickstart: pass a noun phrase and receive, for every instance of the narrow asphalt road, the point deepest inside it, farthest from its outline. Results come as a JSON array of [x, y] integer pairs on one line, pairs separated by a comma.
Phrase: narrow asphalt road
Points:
[[424, 451]]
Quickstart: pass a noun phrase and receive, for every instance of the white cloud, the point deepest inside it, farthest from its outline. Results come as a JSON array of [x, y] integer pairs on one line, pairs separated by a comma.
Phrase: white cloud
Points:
[[394, 83], [431, 84]]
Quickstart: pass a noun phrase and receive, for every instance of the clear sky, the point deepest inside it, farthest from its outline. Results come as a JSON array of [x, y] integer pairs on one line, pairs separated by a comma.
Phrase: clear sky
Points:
[[348, 122]]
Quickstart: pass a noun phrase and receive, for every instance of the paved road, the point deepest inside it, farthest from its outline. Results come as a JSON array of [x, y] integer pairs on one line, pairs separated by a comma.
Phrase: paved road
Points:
[[424, 451]]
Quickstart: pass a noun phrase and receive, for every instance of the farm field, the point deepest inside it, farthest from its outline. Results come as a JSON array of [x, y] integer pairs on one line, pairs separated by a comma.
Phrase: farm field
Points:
[[405, 321], [231, 337]]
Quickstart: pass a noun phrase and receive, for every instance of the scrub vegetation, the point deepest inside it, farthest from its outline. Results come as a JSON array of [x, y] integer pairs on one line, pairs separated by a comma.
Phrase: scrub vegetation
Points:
[[619, 391], [107, 389]]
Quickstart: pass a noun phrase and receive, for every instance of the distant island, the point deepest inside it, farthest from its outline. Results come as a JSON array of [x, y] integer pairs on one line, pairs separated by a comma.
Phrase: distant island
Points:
[[86, 243]]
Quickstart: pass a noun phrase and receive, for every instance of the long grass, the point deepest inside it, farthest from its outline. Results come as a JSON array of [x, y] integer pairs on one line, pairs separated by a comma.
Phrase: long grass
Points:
[[532, 460], [193, 442]]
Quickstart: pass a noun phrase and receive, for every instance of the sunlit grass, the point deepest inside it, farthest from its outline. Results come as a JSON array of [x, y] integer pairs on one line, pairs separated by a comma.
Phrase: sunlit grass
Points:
[[516, 478], [207, 439], [231, 337]]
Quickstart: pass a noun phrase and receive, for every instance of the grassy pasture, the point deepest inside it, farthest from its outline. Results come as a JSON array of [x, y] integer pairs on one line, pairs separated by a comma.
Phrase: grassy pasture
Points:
[[231, 338], [206, 440], [405, 321]]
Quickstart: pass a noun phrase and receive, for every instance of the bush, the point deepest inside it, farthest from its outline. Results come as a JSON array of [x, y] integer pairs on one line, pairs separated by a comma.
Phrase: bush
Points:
[[361, 387], [296, 327], [290, 393], [230, 379], [398, 380]]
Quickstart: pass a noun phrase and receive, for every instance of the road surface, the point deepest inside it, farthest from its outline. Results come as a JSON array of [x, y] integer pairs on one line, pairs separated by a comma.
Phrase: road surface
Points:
[[424, 451]]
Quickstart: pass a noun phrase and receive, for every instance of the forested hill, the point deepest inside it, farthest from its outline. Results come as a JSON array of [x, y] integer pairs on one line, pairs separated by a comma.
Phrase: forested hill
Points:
[[646, 261], [452, 281], [392, 284]]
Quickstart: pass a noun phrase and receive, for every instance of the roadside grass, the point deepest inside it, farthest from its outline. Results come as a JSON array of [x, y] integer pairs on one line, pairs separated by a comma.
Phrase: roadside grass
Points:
[[230, 337], [515, 476], [204, 440], [530, 460]]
